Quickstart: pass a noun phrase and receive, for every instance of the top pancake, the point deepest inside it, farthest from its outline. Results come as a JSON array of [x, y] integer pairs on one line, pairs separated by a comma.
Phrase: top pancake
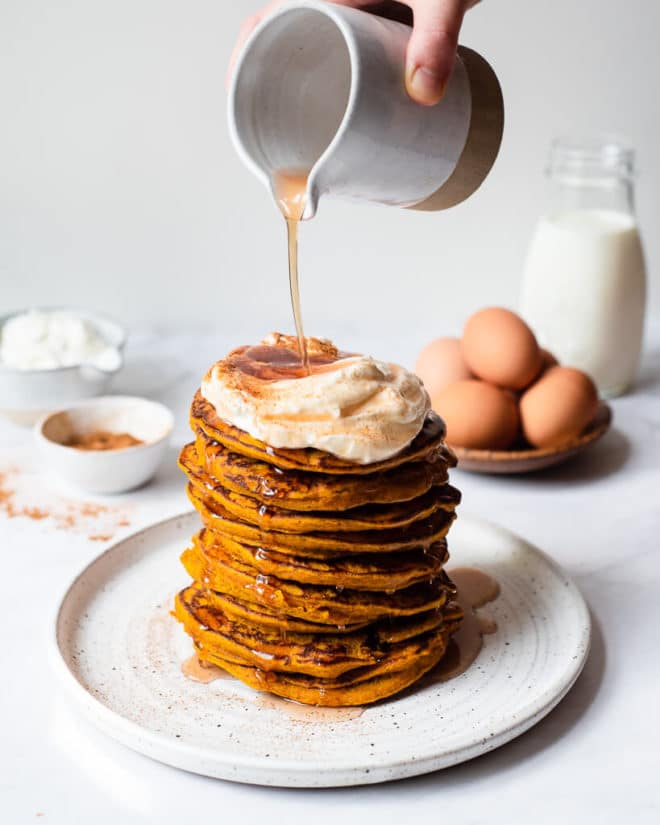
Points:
[[425, 446], [300, 490]]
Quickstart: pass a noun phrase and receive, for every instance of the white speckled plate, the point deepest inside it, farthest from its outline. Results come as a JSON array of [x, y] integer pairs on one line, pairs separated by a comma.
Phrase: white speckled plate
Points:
[[119, 652]]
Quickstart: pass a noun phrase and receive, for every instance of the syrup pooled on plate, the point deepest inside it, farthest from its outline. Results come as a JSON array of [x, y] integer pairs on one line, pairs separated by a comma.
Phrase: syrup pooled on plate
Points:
[[475, 589], [199, 671]]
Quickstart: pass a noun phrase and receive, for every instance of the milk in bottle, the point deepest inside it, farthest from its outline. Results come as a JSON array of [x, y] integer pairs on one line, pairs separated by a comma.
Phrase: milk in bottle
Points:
[[584, 282]]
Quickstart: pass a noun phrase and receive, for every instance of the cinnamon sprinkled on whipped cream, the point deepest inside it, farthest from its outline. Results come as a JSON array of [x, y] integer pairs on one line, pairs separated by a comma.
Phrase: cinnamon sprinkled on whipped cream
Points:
[[352, 406]]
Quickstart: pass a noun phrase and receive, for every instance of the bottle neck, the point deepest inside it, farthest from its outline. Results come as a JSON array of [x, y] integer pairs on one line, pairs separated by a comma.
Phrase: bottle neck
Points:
[[569, 194], [591, 173]]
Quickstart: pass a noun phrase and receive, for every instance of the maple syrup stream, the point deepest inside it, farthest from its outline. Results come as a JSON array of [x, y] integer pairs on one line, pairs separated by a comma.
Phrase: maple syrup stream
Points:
[[290, 189]]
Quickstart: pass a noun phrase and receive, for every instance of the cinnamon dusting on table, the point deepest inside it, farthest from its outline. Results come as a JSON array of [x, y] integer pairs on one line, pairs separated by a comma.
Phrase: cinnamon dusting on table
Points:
[[35, 513], [102, 440], [98, 521]]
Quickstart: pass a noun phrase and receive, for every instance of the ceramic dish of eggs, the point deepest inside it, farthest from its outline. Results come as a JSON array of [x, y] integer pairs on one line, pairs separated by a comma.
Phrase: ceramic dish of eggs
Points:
[[508, 405]]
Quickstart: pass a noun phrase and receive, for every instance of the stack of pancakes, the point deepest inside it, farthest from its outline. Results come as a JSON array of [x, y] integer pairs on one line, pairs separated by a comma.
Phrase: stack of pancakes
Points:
[[315, 578]]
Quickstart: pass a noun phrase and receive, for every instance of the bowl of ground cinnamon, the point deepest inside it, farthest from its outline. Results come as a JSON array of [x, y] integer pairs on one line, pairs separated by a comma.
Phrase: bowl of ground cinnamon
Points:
[[105, 445]]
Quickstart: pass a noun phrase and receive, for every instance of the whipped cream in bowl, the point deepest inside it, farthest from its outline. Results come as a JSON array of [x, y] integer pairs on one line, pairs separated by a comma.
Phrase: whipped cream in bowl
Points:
[[42, 339], [352, 406], [52, 357]]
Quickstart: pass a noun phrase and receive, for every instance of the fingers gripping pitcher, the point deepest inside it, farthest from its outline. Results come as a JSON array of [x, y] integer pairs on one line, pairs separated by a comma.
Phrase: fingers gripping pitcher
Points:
[[319, 89]]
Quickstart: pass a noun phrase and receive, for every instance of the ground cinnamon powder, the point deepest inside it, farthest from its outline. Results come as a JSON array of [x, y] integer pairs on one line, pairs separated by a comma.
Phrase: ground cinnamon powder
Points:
[[98, 521], [103, 440]]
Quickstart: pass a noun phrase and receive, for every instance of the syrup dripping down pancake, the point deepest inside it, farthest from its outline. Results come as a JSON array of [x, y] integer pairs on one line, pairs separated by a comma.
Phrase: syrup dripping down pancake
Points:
[[384, 571], [366, 517], [422, 533], [298, 490], [316, 603], [389, 630], [325, 656], [268, 617], [358, 687]]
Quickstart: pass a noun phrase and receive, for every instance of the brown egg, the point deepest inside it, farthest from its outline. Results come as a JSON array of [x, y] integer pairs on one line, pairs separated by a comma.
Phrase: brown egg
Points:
[[499, 347], [441, 363], [547, 360], [558, 407], [478, 415]]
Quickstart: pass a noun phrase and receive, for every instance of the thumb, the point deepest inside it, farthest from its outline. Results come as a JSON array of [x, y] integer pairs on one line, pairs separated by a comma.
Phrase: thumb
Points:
[[432, 48]]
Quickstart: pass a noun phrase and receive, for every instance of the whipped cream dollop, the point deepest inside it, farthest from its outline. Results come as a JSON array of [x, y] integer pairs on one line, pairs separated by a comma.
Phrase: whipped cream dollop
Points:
[[352, 406], [43, 340]]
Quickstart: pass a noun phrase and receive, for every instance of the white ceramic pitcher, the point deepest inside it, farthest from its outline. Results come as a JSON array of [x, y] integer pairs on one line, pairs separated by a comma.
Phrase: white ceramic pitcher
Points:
[[320, 88]]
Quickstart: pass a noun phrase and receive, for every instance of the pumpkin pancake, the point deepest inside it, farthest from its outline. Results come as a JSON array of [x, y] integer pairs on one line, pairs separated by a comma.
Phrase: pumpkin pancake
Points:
[[268, 617], [367, 517], [361, 686], [422, 533], [363, 693], [394, 658], [386, 571], [325, 605], [424, 446], [298, 490], [327, 656], [388, 630]]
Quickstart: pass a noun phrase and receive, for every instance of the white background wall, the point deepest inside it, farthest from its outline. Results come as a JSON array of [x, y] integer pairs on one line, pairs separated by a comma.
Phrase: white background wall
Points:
[[120, 191]]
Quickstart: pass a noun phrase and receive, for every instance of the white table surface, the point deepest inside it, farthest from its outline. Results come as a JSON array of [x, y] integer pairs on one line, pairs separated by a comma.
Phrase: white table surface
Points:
[[596, 758]]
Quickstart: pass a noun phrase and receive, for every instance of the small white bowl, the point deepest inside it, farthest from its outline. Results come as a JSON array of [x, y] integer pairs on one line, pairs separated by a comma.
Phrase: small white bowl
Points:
[[106, 471], [25, 395]]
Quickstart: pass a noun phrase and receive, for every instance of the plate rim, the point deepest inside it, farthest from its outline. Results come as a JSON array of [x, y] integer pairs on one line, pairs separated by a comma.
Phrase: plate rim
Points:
[[287, 773]]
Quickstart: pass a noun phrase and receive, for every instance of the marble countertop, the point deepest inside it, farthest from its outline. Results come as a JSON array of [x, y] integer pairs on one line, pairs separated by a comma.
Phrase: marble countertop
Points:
[[596, 758]]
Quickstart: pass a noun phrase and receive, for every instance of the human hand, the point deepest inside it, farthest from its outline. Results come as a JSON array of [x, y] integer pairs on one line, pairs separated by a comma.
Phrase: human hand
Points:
[[432, 47]]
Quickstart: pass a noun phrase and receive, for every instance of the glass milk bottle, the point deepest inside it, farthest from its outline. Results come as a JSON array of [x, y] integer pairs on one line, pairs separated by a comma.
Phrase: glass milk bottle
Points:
[[584, 284]]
